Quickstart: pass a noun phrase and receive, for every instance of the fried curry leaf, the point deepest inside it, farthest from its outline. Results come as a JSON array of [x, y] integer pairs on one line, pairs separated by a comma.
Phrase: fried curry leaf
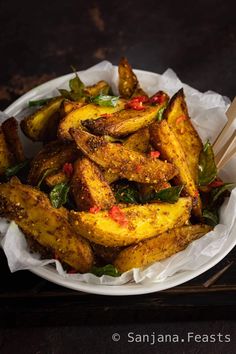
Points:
[[58, 195], [206, 167], [106, 100], [44, 175], [216, 193], [76, 88], [108, 269], [169, 195], [13, 170], [211, 217], [37, 103], [215, 200], [127, 194]]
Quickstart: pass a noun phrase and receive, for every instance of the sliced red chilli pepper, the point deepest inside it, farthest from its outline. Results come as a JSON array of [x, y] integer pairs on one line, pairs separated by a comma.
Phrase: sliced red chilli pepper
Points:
[[181, 119], [68, 169], [95, 209], [216, 183], [155, 154], [118, 215], [137, 103], [158, 98]]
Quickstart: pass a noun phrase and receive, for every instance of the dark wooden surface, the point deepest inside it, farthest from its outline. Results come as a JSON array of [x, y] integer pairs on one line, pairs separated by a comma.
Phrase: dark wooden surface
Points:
[[39, 41]]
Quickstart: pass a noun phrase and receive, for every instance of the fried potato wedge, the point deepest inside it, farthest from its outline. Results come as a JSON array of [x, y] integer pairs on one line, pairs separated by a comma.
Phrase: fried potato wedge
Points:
[[55, 178], [128, 82], [100, 88], [10, 130], [33, 213], [138, 141], [159, 247], [142, 221], [164, 140], [124, 162], [89, 111], [42, 125], [51, 158], [68, 106], [124, 122], [6, 157], [180, 123], [89, 187], [105, 254]]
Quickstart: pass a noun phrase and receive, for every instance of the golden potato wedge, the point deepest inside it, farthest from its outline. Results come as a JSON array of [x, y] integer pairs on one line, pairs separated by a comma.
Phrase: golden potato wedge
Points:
[[159, 247], [124, 162], [128, 82], [10, 130], [89, 188], [89, 111], [42, 125], [52, 157], [139, 141], [164, 140], [100, 88], [68, 106], [124, 122], [55, 178], [6, 157], [140, 222], [33, 213], [180, 123]]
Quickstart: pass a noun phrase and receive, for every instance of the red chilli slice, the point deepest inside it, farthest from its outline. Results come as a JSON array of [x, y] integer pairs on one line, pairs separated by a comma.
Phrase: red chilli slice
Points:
[[68, 169], [118, 215], [95, 209]]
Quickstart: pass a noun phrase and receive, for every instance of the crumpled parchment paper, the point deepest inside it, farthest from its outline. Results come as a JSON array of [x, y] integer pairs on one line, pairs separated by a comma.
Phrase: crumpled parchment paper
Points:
[[207, 111]]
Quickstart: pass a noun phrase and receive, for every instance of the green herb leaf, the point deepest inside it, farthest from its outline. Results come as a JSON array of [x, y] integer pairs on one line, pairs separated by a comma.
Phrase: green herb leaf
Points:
[[44, 175], [37, 103], [13, 170], [76, 88], [126, 194], [106, 100], [108, 269], [216, 193], [169, 195], [160, 113], [211, 217], [206, 167], [58, 195]]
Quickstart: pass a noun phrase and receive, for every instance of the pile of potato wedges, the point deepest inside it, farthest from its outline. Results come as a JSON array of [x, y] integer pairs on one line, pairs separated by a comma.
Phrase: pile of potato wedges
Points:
[[116, 181]]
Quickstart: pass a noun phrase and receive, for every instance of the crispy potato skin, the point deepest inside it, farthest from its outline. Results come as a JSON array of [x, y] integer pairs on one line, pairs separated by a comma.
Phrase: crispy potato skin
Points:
[[6, 157], [164, 140], [89, 187], [124, 122], [129, 86], [101, 87], [68, 106], [184, 131], [42, 125], [144, 221], [88, 111], [105, 254], [55, 178], [33, 213], [158, 248], [124, 162], [53, 156], [10, 130]]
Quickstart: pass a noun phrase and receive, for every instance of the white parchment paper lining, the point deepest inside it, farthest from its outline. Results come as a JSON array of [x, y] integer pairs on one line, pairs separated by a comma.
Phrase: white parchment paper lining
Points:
[[208, 115]]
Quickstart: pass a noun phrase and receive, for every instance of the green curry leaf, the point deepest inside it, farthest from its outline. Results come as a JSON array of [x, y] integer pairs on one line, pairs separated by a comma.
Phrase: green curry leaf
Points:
[[169, 195], [13, 170], [59, 194], [105, 100], [108, 269], [206, 167]]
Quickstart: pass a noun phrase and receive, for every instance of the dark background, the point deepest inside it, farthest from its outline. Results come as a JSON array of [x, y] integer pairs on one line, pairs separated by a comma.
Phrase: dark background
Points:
[[39, 41]]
